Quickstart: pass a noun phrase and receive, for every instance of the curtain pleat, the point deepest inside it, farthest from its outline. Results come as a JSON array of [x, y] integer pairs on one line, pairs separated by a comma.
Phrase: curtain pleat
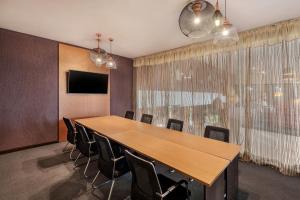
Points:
[[266, 35], [253, 91]]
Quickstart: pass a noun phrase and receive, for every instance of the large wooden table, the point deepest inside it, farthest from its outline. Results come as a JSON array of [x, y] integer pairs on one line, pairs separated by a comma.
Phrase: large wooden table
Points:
[[212, 163]]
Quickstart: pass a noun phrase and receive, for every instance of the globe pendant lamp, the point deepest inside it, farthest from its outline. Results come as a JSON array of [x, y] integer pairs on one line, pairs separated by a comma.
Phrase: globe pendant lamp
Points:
[[97, 54], [110, 63], [218, 17], [226, 33], [196, 19]]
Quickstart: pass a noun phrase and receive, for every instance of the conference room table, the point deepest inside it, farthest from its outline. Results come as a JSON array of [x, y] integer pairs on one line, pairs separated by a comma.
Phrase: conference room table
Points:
[[212, 163]]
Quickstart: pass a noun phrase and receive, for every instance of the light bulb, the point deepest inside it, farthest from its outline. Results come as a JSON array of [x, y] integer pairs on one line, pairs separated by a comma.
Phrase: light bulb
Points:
[[217, 22], [225, 32], [98, 60], [218, 17], [197, 20], [110, 63]]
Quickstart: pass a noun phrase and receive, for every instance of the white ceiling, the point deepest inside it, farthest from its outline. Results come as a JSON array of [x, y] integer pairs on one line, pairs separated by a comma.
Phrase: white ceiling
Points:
[[139, 27]]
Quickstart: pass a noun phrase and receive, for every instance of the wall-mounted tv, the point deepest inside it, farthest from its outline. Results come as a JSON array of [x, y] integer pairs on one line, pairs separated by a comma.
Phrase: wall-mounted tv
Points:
[[86, 82]]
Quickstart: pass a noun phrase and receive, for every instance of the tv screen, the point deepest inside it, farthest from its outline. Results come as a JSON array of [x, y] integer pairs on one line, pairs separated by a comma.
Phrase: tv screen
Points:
[[86, 82]]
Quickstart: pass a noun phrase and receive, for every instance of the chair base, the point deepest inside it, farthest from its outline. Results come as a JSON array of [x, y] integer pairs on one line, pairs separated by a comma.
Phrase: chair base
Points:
[[86, 167], [71, 151], [65, 148], [98, 186]]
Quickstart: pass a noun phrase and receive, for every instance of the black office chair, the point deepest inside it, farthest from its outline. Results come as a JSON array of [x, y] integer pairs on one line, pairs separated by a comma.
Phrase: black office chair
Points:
[[217, 133], [175, 124], [71, 135], [129, 114], [111, 162], [148, 185], [147, 118], [221, 134], [85, 144]]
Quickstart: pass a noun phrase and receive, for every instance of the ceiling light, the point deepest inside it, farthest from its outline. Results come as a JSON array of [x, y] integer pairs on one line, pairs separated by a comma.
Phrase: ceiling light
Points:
[[196, 19], [97, 54], [101, 57], [217, 22], [218, 17], [226, 33], [98, 60], [110, 63]]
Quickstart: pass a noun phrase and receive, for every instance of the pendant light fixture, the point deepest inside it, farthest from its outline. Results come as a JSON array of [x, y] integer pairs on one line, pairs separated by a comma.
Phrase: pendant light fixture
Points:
[[218, 17], [110, 63], [101, 57], [97, 54], [226, 33], [196, 19]]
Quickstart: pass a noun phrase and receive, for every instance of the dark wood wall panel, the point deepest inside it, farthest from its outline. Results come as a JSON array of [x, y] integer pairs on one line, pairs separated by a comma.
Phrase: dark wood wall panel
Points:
[[29, 90], [121, 83]]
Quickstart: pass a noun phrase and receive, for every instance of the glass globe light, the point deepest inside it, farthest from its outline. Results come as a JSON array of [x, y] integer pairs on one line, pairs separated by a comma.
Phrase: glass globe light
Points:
[[110, 63], [226, 34], [196, 19], [218, 17], [97, 58], [97, 54]]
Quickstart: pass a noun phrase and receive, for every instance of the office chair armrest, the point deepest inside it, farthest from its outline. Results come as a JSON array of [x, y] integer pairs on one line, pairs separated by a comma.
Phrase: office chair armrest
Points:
[[117, 159], [173, 187]]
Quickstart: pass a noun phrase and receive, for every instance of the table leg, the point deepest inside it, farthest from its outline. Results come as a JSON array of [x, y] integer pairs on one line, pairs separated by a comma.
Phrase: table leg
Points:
[[216, 191], [226, 186], [233, 179]]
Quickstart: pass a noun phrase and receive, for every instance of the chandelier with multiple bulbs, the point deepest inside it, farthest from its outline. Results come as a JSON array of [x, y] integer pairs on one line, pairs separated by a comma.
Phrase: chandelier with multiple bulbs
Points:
[[200, 19], [101, 57]]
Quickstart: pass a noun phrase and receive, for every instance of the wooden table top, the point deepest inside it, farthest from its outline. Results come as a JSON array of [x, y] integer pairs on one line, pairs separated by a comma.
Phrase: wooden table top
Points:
[[113, 124], [107, 125], [200, 158], [210, 146], [203, 167]]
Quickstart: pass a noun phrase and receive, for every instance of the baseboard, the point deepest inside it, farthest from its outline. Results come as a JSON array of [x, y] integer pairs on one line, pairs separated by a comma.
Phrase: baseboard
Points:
[[26, 147]]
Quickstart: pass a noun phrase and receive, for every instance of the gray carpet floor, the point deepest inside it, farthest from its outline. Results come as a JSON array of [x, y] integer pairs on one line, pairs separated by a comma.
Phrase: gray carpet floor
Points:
[[47, 173]]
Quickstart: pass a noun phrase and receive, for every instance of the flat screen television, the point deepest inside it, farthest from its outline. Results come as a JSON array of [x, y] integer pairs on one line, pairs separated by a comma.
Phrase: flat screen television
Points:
[[86, 82]]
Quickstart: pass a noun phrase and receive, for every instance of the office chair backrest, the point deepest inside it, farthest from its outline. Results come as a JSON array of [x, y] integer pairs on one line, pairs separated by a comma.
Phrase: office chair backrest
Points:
[[129, 114], [68, 124], [71, 131], [175, 124], [82, 139], [145, 183], [217, 133], [105, 162], [147, 118], [83, 135]]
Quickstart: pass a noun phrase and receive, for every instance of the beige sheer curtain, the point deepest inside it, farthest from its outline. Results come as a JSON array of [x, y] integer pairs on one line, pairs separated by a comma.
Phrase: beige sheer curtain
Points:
[[252, 90]]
